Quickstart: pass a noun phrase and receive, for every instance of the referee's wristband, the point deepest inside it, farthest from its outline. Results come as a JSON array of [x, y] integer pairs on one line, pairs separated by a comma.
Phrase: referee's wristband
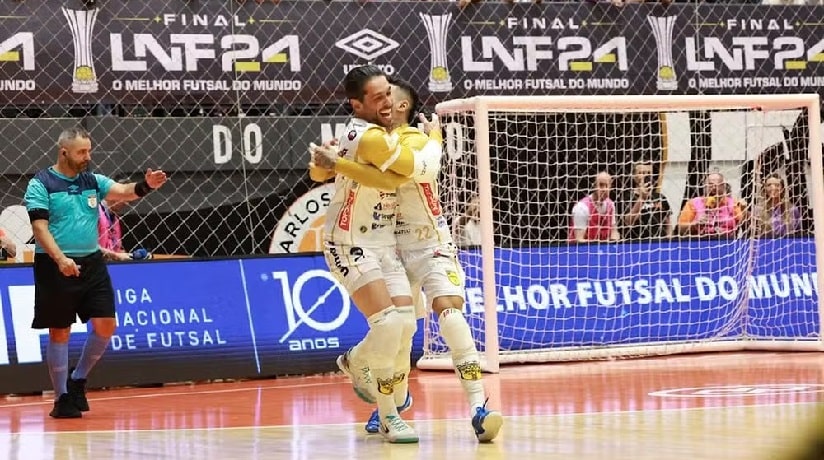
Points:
[[142, 189]]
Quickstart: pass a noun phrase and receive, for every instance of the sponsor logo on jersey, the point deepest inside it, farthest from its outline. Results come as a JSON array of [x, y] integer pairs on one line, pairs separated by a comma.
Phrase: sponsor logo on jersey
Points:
[[431, 199], [345, 219]]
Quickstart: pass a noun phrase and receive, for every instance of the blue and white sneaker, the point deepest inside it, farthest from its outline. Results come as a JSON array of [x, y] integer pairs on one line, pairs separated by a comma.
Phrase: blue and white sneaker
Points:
[[487, 423], [361, 378], [373, 426]]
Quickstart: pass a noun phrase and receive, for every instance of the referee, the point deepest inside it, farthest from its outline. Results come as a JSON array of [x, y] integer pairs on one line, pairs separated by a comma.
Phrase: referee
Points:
[[70, 275]]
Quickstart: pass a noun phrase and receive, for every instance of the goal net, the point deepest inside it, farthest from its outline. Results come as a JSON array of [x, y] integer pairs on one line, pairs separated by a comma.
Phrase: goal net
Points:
[[636, 225]]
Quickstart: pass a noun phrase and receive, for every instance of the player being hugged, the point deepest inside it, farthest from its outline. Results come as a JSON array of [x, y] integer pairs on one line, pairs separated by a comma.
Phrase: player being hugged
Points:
[[359, 241], [70, 275], [429, 257]]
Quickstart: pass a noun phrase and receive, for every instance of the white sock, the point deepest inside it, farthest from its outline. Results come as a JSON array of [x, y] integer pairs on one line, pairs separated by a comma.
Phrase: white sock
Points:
[[458, 337], [403, 360], [380, 348]]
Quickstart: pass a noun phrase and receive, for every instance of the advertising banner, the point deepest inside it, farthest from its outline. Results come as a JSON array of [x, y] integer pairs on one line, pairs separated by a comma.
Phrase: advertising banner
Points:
[[215, 52], [196, 320]]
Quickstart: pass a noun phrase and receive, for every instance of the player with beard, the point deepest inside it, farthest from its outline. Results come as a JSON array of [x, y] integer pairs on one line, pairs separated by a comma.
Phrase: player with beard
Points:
[[429, 256], [70, 276], [359, 242]]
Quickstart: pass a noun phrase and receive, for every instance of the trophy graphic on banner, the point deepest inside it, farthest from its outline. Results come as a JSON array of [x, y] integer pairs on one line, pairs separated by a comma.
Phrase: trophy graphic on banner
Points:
[[437, 28], [81, 23], [662, 29]]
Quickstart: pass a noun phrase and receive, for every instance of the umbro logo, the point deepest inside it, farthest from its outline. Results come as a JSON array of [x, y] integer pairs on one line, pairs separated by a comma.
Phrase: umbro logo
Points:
[[367, 44]]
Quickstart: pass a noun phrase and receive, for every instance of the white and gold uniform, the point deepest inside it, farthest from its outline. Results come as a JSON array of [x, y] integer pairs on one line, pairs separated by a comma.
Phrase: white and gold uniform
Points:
[[421, 233], [423, 236], [359, 232]]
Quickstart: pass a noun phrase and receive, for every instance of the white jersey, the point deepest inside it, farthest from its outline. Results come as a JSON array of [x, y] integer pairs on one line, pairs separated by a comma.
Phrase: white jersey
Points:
[[420, 219], [359, 215]]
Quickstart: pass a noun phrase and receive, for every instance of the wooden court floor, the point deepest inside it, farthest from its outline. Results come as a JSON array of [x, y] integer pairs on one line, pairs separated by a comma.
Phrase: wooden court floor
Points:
[[715, 406]]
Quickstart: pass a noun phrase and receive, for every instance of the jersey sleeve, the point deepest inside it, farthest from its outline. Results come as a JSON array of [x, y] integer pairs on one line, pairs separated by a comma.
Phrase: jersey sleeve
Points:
[[36, 197], [318, 174], [369, 175], [687, 214], [386, 152], [104, 184], [580, 216]]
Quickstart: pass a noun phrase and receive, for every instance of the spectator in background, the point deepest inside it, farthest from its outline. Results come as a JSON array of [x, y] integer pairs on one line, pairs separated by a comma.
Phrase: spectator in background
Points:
[[645, 212], [593, 218], [715, 213], [469, 225], [109, 231], [7, 247], [775, 216]]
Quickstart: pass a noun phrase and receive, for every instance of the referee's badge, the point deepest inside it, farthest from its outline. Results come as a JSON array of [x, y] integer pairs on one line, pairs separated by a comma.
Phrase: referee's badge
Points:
[[92, 200]]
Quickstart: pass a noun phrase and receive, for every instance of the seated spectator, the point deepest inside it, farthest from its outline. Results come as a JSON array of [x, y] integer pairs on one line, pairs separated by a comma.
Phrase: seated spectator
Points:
[[469, 226], [109, 232], [7, 247], [775, 216], [645, 212], [593, 218], [715, 213]]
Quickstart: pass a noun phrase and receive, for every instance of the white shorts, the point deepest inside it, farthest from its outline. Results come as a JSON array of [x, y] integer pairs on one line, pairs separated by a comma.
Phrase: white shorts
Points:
[[354, 267], [436, 270]]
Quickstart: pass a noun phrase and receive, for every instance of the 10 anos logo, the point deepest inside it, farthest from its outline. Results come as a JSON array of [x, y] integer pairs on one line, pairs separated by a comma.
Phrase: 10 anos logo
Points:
[[304, 306]]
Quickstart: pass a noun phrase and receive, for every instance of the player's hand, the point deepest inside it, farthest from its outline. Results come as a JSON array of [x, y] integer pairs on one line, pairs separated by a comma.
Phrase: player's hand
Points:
[[332, 143], [155, 179], [68, 267], [430, 125], [323, 156], [642, 191]]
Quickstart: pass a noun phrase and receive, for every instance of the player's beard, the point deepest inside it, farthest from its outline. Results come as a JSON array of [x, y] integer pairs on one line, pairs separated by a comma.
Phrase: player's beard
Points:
[[79, 167]]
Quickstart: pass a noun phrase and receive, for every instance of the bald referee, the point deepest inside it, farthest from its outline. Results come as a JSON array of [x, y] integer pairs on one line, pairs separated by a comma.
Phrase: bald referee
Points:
[[70, 275]]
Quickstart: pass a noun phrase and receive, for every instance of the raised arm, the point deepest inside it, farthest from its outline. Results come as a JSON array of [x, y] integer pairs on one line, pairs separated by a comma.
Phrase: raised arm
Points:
[[326, 162], [114, 191], [385, 151], [369, 175], [319, 174]]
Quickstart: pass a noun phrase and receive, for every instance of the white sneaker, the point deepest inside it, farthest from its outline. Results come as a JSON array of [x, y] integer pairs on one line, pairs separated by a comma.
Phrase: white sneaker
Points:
[[361, 378], [396, 431]]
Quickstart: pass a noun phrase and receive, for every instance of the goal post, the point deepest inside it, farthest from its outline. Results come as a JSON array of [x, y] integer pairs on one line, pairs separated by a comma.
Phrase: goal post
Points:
[[491, 141]]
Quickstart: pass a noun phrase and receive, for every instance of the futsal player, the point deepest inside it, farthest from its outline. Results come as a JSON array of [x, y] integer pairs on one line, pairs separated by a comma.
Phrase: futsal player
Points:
[[360, 243], [70, 276], [429, 257]]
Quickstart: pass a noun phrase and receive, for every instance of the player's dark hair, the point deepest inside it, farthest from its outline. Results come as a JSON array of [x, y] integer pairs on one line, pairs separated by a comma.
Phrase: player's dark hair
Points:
[[414, 100], [355, 81]]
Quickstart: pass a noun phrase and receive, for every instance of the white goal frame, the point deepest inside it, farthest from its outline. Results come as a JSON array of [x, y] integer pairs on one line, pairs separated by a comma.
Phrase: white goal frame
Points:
[[480, 106]]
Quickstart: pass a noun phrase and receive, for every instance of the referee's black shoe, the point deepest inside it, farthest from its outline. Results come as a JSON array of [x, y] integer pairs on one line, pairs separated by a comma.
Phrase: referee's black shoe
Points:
[[64, 408], [77, 392]]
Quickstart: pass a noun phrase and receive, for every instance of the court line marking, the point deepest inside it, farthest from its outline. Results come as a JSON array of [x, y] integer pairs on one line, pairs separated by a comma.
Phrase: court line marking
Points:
[[49, 401], [360, 424]]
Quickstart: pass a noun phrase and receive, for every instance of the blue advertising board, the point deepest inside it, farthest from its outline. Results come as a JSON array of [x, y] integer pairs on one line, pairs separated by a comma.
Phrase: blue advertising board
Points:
[[629, 293], [194, 320]]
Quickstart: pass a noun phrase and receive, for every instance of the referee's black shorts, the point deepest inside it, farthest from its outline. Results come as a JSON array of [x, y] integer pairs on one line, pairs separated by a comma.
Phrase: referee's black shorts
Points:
[[59, 299]]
